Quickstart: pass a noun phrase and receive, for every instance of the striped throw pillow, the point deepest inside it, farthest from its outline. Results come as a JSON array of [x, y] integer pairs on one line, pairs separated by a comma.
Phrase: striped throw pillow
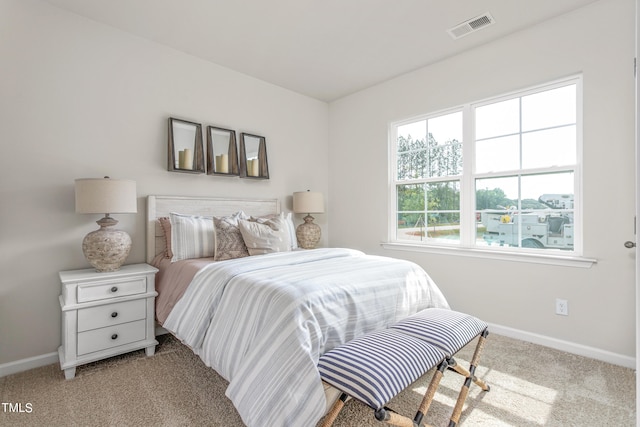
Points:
[[291, 229], [191, 236]]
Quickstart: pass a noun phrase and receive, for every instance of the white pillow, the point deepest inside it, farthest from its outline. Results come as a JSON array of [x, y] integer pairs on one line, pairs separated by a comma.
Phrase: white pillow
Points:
[[288, 224], [192, 236], [291, 229], [266, 236]]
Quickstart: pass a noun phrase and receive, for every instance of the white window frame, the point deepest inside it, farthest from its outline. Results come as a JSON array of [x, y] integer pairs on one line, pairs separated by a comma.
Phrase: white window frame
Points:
[[466, 246]]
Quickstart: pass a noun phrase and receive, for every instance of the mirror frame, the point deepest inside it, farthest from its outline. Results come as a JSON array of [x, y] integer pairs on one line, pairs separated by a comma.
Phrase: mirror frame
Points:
[[198, 153], [263, 165], [232, 152]]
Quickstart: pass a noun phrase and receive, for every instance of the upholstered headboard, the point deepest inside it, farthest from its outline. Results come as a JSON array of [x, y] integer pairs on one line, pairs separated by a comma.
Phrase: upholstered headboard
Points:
[[160, 206]]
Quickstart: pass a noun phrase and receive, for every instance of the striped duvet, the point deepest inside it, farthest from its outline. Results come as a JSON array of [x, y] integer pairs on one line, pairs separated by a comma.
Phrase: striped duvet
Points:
[[262, 322]]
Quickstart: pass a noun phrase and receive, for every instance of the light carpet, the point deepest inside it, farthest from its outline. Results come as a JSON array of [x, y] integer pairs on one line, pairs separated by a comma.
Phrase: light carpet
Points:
[[531, 385]]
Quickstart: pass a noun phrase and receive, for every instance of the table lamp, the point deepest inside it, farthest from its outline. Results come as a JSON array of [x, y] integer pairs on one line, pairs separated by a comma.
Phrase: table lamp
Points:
[[106, 249], [308, 233]]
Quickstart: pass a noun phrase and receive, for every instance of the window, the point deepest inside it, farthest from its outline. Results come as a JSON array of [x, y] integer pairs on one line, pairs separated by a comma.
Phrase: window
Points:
[[497, 174]]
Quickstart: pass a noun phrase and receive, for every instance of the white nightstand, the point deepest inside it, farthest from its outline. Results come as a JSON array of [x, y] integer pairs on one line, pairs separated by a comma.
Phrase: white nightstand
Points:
[[106, 314]]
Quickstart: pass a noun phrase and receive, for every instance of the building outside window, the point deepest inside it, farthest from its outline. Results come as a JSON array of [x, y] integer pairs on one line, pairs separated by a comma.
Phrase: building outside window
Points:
[[502, 173]]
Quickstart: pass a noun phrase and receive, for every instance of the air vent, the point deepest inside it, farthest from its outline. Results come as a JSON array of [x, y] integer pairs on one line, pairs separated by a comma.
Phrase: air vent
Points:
[[471, 25]]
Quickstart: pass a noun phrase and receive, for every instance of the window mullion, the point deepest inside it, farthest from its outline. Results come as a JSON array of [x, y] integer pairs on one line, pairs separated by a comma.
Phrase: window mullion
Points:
[[392, 203], [467, 192], [520, 174]]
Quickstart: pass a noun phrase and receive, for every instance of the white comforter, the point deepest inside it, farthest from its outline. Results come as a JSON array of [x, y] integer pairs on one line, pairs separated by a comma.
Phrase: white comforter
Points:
[[262, 322]]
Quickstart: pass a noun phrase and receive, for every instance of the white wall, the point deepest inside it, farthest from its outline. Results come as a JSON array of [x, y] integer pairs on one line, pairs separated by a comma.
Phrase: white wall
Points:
[[80, 99], [598, 41]]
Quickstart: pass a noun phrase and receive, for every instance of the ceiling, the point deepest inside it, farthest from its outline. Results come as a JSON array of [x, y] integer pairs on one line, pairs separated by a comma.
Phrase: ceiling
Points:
[[325, 49]]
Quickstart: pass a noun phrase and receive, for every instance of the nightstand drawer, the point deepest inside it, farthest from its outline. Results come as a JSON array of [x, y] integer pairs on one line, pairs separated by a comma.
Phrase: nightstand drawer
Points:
[[111, 336], [111, 314], [111, 289]]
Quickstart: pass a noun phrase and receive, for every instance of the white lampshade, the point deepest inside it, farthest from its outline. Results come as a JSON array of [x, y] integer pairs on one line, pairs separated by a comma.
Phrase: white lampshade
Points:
[[308, 202], [106, 196]]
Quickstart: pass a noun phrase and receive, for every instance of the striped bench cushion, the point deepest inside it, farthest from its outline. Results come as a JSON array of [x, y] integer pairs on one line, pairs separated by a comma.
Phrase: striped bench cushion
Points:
[[446, 329], [377, 366]]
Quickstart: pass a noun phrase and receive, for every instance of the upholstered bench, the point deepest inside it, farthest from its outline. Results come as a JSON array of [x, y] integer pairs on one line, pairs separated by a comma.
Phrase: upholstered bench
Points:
[[376, 367]]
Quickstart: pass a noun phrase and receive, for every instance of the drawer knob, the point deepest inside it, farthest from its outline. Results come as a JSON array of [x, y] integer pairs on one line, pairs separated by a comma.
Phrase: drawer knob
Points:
[[114, 314], [114, 336], [114, 289]]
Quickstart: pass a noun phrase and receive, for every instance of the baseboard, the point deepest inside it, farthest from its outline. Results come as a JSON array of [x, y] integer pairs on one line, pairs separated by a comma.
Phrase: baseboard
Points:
[[28, 363], [569, 347], [43, 360]]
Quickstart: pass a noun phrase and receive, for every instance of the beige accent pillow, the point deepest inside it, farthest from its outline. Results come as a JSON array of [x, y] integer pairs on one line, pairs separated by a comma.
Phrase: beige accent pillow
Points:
[[266, 236], [165, 223], [228, 239]]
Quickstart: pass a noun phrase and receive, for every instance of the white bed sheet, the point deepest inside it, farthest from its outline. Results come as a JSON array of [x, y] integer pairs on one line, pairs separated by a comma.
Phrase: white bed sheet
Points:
[[262, 322]]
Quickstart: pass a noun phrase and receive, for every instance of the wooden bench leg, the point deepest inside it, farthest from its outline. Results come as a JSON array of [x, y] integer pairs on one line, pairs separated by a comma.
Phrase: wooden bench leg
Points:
[[476, 360], [465, 373], [402, 421], [381, 415], [431, 392], [335, 410], [394, 419], [470, 376]]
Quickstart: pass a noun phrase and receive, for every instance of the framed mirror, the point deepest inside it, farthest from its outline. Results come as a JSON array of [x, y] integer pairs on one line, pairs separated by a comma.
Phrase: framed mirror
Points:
[[222, 152], [253, 156], [185, 146]]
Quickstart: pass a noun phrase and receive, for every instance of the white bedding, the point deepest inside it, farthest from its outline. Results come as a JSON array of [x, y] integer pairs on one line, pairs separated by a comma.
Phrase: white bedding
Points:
[[262, 322]]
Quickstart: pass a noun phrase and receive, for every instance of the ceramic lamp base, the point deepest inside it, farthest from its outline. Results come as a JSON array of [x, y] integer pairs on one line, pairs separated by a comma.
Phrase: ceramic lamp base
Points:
[[308, 233], [106, 249]]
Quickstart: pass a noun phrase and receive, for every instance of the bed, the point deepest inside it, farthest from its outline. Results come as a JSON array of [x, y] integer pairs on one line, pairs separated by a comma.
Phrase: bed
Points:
[[262, 321]]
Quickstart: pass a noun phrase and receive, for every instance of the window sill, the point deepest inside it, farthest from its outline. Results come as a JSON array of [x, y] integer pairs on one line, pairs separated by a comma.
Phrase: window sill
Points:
[[549, 259]]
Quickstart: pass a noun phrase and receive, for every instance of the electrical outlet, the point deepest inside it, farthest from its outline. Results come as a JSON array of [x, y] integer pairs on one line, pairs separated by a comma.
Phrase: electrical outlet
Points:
[[562, 307]]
